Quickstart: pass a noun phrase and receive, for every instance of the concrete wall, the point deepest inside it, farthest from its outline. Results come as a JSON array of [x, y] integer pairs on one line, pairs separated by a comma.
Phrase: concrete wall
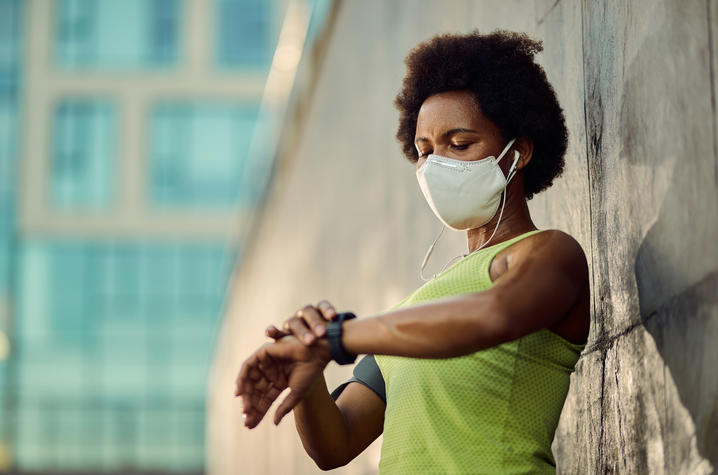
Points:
[[346, 221]]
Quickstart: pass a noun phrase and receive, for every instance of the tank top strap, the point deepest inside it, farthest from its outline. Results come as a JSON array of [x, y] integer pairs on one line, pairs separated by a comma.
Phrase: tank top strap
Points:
[[470, 274], [482, 259]]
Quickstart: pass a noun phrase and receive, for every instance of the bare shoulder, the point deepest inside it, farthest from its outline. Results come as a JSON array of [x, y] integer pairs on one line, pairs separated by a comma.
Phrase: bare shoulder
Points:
[[551, 243], [557, 259], [550, 247]]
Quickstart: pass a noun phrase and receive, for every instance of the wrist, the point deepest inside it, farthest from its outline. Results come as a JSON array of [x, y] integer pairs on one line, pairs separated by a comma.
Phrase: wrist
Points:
[[317, 351], [321, 348], [334, 335]]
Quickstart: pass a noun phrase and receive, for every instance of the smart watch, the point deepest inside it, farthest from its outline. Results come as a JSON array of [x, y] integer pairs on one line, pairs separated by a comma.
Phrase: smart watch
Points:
[[334, 337]]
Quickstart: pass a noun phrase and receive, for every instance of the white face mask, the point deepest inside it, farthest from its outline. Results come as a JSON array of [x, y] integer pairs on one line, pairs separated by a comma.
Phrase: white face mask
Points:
[[464, 195]]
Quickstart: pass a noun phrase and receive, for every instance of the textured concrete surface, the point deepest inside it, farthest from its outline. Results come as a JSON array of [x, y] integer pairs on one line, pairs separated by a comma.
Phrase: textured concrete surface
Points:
[[346, 221]]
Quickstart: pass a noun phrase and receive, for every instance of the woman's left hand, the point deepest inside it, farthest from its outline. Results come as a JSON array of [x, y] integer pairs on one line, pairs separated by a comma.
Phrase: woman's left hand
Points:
[[307, 325], [274, 367]]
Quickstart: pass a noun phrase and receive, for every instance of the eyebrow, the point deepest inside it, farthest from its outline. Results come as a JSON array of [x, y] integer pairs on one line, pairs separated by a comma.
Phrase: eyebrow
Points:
[[448, 133]]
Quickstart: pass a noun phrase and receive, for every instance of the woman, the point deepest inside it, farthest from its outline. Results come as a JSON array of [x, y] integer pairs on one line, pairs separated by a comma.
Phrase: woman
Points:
[[472, 369]]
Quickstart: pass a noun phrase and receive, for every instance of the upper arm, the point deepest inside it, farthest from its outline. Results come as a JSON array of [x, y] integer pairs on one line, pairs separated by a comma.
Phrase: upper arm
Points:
[[363, 413], [545, 279], [361, 402]]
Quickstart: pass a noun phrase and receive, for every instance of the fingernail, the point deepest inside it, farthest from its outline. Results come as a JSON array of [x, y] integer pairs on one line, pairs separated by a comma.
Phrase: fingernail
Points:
[[308, 337], [320, 330]]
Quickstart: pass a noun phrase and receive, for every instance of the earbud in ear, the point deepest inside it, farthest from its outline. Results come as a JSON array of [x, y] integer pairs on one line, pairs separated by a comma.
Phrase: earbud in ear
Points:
[[517, 155]]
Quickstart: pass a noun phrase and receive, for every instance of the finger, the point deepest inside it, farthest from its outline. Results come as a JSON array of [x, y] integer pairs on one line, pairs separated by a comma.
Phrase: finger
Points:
[[244, 387], [246, 405], [328, 311], [245, 384], [250, 402], [267, 399], [275, 333], [301, 330], [263, 394], [254, 402], [269, 366], [314, 319], [249, 369], [252, 419], [288, 349], [261, 402], [242, 378], [287, 405], [249, 364]]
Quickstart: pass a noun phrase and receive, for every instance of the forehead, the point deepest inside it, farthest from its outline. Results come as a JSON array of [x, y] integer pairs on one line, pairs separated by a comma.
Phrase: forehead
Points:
[[449, 109]]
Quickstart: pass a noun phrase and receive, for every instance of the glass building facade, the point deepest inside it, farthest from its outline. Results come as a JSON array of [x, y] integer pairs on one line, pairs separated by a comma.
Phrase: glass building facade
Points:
[[107, 326], [83, 153], [182, 174], [10, 77], [87, 32]]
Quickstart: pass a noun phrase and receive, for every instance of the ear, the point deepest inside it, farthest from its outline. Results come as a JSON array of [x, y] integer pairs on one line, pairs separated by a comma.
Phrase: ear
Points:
[[525, 147]]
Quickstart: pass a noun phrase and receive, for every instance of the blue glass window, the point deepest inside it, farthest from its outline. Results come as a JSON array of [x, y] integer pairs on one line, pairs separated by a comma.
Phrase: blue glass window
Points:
[[245, 37], [116, 341], [111, 34], [8, 157], [83, 154], [8, 147], [10, 64], [163, 30], [198, 152], [9, 48]]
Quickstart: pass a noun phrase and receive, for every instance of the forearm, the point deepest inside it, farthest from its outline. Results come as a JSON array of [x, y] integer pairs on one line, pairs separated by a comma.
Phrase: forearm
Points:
[[440, 329], [322, 427]]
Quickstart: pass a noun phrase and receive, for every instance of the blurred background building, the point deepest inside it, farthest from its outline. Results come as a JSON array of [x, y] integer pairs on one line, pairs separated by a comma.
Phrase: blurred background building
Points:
[[136, 141]]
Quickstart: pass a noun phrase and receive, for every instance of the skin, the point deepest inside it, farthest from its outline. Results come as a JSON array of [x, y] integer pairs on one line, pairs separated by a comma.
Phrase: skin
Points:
[[540, 282]]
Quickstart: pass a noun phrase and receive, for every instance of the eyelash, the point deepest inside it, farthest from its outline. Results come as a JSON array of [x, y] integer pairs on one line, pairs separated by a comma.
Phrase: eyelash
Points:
[[460, 147], [454, 146]]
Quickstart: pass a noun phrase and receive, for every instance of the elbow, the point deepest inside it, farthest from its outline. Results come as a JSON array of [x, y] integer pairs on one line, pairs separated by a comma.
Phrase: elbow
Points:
[[325, 467], [325, 463], [329, 458]]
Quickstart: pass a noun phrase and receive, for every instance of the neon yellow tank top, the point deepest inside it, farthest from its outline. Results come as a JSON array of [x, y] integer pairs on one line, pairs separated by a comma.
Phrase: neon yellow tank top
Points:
[[494, 411]]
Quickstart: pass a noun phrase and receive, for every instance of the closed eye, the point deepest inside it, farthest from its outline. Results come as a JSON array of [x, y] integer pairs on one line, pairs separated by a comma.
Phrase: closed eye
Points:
[[460, 147]]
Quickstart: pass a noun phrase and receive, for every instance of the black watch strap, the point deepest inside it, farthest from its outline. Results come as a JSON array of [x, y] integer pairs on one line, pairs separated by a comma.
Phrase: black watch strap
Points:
[[334, 338]]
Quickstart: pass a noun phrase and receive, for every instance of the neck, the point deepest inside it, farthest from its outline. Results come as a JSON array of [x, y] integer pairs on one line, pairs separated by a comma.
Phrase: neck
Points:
[[515, 220]]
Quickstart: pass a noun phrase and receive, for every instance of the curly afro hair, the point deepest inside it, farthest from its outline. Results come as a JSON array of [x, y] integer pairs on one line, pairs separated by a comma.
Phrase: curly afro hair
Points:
[[510, 89]]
